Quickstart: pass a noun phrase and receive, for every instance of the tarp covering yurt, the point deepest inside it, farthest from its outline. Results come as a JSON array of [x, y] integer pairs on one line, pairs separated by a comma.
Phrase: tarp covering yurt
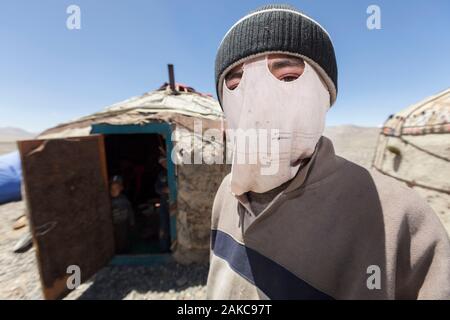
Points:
[[10, 177]]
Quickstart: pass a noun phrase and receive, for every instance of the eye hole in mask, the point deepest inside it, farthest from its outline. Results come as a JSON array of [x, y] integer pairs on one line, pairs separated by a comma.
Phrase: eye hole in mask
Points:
[[283, 67], [234, 76]]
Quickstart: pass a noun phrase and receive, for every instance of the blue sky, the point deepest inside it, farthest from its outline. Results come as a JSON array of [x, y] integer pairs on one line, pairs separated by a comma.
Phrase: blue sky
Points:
[[49, 74]]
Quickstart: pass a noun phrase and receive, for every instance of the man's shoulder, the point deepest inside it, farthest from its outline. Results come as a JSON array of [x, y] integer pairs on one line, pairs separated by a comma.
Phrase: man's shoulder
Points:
[[382, 181], [402, 207], [399, 200], [392, 193]]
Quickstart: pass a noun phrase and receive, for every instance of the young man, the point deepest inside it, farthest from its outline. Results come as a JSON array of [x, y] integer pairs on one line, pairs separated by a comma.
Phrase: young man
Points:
[[318, 226]]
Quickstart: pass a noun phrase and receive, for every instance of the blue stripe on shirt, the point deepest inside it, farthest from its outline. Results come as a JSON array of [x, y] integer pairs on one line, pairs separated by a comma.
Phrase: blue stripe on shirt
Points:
[[275, 281]]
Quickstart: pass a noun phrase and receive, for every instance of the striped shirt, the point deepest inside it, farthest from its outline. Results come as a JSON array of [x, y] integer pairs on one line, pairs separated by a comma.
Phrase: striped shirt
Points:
[[337, 231]]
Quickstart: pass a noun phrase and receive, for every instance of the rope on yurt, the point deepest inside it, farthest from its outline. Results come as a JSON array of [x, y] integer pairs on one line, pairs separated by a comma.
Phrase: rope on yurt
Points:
[[413, 183], [423, 150]]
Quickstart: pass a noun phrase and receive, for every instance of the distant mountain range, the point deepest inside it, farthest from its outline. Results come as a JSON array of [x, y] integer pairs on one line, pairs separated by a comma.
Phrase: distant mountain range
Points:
[[10, 134]]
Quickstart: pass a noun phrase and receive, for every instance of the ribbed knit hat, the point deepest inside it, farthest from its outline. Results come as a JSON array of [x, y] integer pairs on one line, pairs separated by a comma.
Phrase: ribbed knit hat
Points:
[[278, 29]]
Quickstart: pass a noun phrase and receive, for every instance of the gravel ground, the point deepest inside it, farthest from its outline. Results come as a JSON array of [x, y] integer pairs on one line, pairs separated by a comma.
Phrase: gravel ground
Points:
[[170, 281], [19, 277]]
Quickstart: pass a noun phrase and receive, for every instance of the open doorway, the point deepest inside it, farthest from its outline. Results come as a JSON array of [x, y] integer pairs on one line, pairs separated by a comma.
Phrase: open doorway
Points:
[[137, 171]]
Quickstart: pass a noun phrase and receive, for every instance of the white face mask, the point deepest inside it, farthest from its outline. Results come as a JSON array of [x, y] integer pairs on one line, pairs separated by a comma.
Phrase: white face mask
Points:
[[288, 116]]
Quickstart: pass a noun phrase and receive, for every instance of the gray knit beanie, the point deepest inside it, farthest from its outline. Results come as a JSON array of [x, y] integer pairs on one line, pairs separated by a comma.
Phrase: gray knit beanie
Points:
[[278, 29]]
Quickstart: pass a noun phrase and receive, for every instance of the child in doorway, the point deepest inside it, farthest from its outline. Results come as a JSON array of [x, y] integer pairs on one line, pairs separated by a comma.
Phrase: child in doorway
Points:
[[122, 215]]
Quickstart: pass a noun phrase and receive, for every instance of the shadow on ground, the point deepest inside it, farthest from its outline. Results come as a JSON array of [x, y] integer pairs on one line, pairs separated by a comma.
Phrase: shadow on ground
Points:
[[165, 281]]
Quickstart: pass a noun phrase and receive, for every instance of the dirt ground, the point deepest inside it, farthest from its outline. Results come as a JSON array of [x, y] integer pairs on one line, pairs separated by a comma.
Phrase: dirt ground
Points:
[[19, 275]]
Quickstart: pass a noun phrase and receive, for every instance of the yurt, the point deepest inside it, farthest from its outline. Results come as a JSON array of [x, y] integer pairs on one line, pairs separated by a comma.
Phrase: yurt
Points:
[[414, 147], [67, 172]]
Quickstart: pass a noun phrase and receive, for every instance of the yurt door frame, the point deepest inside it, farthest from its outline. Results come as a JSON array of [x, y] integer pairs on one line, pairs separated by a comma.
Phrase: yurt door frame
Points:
[[164, 129]]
